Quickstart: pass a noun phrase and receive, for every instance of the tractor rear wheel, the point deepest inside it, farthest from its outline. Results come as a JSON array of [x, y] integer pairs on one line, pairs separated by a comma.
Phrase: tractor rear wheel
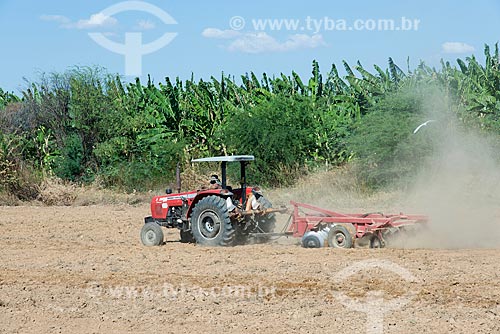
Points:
[[268, 221], [151, 234], [265, 223], [186, 237], [339, 237], [210, 222]]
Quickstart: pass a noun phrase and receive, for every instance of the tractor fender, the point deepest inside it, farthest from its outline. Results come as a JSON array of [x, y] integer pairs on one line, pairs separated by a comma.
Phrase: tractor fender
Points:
[[222, 193]]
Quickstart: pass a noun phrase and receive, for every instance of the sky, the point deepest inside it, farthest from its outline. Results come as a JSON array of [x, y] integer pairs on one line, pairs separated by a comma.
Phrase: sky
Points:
[[207, 38]]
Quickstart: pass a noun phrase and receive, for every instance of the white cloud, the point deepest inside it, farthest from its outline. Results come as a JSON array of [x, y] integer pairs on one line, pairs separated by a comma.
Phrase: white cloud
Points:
[[95, 21], [145, 25], [304, 41], [56, 18], [262, 42], [221, 34], [456, 47]]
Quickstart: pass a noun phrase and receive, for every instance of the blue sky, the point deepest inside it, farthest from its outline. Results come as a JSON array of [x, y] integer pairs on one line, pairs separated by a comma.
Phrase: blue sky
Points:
[[53, 35]]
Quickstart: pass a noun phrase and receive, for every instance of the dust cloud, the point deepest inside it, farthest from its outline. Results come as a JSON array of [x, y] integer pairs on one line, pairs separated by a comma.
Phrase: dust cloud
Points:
[[459, 187]]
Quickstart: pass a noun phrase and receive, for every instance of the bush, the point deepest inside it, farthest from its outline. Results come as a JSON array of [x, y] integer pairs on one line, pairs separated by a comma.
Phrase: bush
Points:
[[124, 164], [7, 163], [69, 165], [383, 142], [17, 177], [53, 191], [288, 136]]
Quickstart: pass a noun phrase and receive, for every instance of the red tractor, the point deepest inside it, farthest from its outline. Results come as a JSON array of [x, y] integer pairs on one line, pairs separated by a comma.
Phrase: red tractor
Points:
[[218, 216]]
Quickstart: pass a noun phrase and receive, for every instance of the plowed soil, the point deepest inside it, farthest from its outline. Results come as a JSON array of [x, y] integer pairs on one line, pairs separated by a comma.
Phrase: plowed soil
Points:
[[84, 270]]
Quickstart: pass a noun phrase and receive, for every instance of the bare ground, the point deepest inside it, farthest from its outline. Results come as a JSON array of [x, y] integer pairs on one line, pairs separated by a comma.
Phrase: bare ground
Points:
[[83, 270]]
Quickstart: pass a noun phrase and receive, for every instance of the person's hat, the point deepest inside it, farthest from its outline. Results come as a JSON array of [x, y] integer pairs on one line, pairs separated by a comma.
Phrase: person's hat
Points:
[[214, 179], [257, 191]]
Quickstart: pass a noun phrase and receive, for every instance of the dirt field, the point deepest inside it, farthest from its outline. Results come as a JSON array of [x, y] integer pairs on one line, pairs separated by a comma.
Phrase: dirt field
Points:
[[83, 270]]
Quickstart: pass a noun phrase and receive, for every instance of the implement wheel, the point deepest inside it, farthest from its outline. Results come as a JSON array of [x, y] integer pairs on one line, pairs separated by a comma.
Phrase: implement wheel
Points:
[[375, 242], [339, 237]]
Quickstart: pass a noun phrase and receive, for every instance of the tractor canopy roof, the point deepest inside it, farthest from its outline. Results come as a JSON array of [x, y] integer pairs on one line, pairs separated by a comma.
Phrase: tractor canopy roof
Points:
[[226, 158]]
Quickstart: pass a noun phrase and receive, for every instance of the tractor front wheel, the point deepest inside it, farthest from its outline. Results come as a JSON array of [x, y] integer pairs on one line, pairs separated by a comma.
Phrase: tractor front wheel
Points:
[[151, 234], [210, 222]]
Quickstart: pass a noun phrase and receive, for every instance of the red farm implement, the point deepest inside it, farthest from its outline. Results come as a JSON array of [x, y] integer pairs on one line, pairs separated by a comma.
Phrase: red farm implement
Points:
[[320, 227]]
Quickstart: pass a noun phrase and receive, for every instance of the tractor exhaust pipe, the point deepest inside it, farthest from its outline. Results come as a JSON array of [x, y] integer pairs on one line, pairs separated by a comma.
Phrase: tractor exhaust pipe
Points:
[[178, 177]]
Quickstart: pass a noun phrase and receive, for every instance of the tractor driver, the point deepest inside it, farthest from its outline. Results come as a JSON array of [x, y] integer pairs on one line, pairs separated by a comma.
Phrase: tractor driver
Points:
[[252, 200], [215, 182]]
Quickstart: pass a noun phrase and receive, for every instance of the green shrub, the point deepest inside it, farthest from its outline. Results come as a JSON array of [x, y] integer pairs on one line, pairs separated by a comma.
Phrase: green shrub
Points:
[[69, 165], [129, 165], [7, 165], [287, 135], [17, 177], [383, 142]]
